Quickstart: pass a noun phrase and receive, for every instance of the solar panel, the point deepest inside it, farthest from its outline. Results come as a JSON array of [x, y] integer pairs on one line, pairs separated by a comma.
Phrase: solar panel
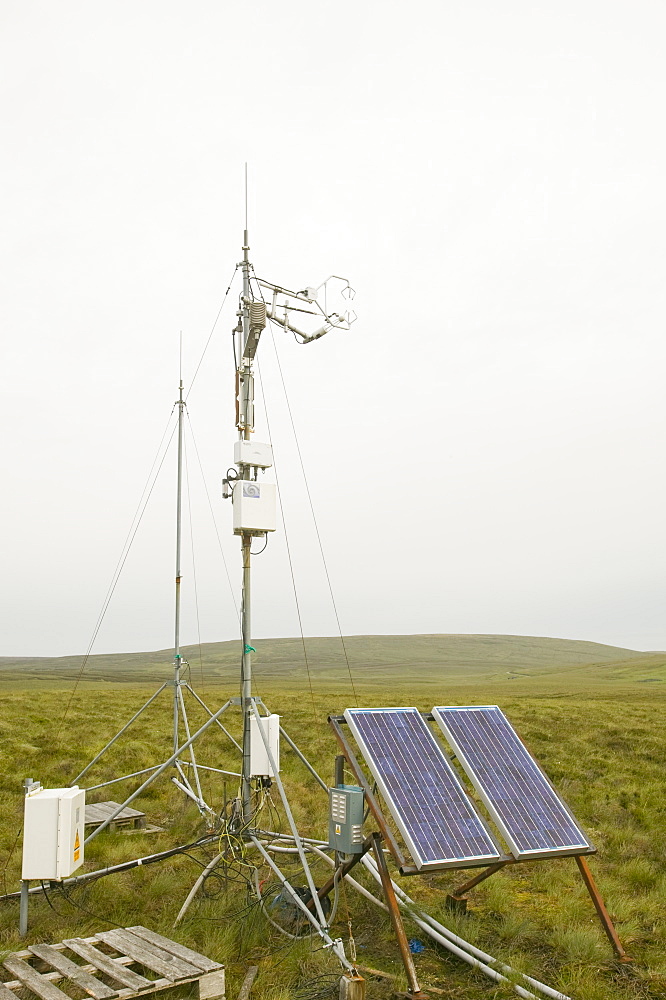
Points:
[[526, 808], [430, 807]]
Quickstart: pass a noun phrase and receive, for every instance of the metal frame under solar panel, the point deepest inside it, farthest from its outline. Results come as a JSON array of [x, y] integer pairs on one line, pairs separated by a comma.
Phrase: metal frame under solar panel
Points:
[[512, 786], [423, 803]]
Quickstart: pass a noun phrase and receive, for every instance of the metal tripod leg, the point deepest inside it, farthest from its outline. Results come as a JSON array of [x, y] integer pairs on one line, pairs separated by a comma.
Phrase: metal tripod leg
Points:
[[118, 735], [167, 763], [186, 723], [206, 709], [285, 802]]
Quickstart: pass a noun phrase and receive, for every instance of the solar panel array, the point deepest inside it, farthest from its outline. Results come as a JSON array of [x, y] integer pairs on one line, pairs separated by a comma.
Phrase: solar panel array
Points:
[[526, 808], [422, 791]]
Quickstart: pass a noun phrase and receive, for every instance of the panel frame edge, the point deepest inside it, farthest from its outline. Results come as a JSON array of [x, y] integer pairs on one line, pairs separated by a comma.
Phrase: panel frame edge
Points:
[[519, 855]]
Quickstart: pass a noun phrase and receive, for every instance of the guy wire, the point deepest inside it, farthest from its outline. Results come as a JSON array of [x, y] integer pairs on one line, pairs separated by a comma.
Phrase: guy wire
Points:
[[314, 518], [124, 553], [194, 565], [286, 539], [212, 330], [212, 512]]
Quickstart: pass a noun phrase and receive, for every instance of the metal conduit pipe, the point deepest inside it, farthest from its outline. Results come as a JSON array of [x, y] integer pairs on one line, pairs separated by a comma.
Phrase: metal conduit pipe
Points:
[[458, 945], [211, 865], [348, 878], [336, 946], [195, 888], [449, 945], [464, 949], [542, 987]]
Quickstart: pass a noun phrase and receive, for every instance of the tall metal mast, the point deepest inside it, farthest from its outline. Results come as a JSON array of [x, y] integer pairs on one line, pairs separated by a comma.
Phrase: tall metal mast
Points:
[[177, 658], [245, 427], [253, 502]]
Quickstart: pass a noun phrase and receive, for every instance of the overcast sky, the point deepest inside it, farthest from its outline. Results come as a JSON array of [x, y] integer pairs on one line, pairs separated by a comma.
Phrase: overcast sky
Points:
[[484, 450]]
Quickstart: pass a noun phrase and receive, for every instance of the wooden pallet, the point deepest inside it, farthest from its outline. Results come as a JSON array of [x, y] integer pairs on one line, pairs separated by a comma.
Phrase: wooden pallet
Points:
[[106, 971], [128, 821]]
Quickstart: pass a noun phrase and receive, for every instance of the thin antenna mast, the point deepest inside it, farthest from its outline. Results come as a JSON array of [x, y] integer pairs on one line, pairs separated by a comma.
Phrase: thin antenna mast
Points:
[[177, 658]]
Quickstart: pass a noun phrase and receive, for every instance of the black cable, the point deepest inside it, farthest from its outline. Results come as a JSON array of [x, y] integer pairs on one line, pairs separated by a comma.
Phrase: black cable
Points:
[[9, 858], [46, 897], [84, 909], [319, 988], [150, 859], [289, 557], [307, 490], [261, 550]]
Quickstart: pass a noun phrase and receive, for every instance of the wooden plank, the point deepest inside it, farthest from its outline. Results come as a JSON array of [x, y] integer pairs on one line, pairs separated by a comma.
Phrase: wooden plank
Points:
[[158, 986], [44, 988], [107, 965], [390, 975], [148, 954], [60, 962], [15, 984], [247, 983], [6, 994], [193, 957], [211, 986]]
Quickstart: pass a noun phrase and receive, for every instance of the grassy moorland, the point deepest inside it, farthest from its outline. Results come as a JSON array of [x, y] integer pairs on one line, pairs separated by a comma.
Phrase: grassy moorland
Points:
[[372, 656], [592, 715]]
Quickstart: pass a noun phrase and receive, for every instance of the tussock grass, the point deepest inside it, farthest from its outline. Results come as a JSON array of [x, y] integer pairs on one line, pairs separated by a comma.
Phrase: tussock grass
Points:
[[594, 726]]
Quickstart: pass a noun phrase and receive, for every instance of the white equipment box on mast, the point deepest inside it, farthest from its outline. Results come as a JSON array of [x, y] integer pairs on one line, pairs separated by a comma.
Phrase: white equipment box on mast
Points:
[[254, 507]]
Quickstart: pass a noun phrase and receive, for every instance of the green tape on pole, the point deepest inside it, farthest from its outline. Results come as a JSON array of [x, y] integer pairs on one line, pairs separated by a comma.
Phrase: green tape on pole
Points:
[[249, 649]]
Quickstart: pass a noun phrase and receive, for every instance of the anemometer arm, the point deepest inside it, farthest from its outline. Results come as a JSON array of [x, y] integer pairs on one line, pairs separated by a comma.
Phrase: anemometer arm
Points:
[[331, 323]]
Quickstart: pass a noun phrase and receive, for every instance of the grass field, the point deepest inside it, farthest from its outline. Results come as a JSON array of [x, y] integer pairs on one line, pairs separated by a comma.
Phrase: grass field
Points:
[[592, 715]]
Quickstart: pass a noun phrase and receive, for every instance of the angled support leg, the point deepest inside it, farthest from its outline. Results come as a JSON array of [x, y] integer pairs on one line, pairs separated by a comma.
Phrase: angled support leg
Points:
[[414, 990], [456, 899], [602, 912]]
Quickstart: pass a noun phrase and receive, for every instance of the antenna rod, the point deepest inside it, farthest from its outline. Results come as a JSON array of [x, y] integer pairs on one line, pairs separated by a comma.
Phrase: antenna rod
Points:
[[246, 387], [177, 658]]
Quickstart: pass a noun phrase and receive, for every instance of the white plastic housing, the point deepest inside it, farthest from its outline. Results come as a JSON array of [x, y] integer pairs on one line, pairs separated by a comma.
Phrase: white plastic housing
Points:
[[53, 832], [260, 765], [254, 507], [253, 453]]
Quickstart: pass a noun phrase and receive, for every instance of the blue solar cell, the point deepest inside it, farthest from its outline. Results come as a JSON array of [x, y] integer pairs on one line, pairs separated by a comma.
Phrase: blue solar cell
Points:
[[526, 808], [422, 791]]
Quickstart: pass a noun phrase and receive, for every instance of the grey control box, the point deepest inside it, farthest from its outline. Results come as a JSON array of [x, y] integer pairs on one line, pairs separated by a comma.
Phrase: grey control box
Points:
[[345, 819]]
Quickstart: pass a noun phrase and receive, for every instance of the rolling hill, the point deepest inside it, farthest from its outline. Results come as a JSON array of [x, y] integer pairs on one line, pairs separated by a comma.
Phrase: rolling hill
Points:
[[456, 657]]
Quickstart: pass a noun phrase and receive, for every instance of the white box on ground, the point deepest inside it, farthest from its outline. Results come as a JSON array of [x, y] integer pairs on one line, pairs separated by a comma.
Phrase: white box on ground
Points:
[[53, 832], [254, 507], [260, 765], [253, 453]]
